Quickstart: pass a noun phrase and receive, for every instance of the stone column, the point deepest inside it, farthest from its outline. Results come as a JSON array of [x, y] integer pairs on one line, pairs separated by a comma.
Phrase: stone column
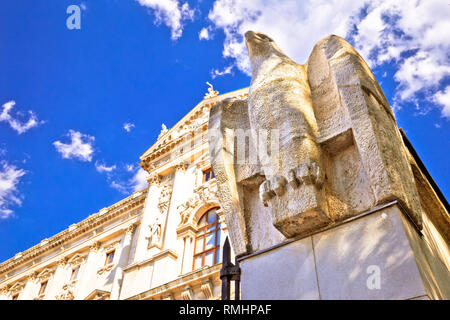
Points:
[[58, 280], [180, 185], [188, 254], [30, 290], [122, 262], [89, 273], [150, 209]]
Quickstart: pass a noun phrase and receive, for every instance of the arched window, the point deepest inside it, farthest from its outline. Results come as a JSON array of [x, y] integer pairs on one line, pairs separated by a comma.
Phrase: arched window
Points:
[[207, 240]]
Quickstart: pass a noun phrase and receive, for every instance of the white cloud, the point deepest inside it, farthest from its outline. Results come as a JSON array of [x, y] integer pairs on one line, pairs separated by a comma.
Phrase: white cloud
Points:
[[137, 182], [9, 179], [128, 126], [443, 98], [217, 73], [101, 167], [80, 146], [205, 34], [412, 34], [16, 124], [170, 12]]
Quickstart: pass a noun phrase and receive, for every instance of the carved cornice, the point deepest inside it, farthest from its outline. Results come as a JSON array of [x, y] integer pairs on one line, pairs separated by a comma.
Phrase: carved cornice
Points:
[[91, 223], [195, 121], [205, 193]]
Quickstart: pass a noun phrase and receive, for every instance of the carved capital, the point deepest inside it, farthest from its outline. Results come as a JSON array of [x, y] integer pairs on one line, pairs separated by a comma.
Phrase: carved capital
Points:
[[154, 179], [181, 167], [62, 262], [95, 246], [130, 229]]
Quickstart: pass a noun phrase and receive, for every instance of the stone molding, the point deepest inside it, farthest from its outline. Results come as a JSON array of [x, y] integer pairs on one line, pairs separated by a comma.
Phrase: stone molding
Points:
[[157, 256], [91, 223], [192, 279]]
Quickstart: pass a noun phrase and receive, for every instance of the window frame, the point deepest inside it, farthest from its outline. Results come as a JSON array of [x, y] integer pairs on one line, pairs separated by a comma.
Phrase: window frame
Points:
[[43, 287], [207, 175], [75, 271], [108, 254], [202, 232]]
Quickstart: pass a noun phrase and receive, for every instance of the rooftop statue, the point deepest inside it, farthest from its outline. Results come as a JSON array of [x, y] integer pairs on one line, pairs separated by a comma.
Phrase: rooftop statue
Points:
[[211, 92]]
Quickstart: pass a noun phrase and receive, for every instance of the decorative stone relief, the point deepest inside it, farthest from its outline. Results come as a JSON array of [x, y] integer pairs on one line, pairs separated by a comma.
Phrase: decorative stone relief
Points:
[[205, 193], [154, 238], [67, 293], [164, 198]]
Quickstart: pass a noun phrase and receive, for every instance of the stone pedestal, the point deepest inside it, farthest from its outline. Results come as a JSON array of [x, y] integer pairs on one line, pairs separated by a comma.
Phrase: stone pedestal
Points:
[[368, 257]]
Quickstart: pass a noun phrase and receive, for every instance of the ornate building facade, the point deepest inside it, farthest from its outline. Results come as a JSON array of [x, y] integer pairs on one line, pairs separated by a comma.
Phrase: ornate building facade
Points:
[[163, 242]]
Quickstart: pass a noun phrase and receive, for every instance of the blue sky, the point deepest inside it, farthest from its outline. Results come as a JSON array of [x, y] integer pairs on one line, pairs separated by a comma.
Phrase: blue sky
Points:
[[78, 107]]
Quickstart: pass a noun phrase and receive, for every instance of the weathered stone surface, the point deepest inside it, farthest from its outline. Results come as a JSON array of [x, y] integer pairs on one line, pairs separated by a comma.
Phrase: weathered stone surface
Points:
[[338, 150]]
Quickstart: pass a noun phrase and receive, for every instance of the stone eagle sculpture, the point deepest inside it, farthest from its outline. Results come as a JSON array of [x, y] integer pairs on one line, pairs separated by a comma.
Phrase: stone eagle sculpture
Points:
[[310, 146]]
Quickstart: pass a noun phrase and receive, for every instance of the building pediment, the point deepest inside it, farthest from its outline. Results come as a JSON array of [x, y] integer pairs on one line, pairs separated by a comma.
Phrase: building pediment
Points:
[[195, 120], [98, 294]]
